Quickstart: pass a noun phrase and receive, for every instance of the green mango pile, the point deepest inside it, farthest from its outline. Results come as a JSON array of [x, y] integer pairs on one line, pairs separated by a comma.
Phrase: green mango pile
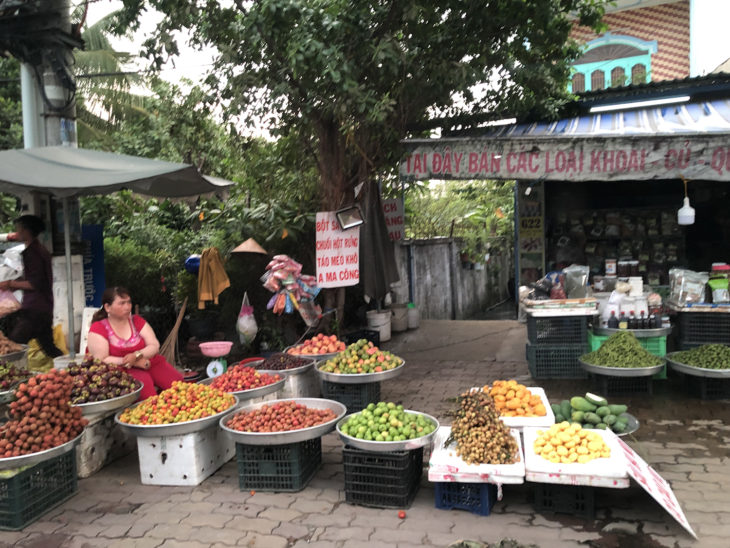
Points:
[[592, 411]]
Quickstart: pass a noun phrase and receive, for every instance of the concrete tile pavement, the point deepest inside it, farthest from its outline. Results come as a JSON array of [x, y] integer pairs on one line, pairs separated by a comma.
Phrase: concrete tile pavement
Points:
[[687, 440]]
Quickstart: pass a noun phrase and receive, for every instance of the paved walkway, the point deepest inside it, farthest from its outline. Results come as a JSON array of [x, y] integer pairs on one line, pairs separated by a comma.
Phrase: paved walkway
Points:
[[687, 440]]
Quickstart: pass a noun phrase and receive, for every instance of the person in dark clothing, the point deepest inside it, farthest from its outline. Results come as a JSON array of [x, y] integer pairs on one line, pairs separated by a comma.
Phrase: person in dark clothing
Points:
[[35, 317]]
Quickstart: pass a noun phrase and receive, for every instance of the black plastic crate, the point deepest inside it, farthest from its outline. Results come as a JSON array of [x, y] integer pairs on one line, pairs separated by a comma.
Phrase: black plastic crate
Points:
[[355, 397], [287, 467], [578, 500], [623, 386], [369, 334], [707, 388], [477, 498], [704, 327], [32, 492], [556, 361], [557, 330], [382, 480]]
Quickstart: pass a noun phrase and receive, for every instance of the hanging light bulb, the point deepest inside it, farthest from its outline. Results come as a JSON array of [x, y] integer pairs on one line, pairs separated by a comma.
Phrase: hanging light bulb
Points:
[[686, 214]]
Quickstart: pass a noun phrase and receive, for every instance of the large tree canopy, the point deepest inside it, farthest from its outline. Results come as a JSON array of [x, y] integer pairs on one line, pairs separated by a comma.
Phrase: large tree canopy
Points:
[[357, 76]]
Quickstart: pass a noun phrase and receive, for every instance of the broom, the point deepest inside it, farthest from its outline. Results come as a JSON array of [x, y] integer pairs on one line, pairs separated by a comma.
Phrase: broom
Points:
[[169, 349]]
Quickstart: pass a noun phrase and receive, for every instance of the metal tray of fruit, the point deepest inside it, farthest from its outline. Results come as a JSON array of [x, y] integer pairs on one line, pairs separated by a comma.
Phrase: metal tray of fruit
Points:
[[638, 333], [255, 392], [622, 371], [632, 424], [112, 404], [294, 370], [15, 356], [386, 446], [34, 458], [315, 357], [175, 429], [6, 396], [696, 371], [291, 436], [360, 378]]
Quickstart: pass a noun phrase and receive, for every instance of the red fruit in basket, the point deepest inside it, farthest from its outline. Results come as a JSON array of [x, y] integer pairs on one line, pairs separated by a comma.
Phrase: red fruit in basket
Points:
[[241, 377]]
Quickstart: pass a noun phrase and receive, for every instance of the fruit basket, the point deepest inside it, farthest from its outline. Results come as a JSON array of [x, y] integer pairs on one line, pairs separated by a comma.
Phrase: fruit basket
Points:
[[215, 349], [174, 429], [34, 458], [696, 371], [243, 395], [622, 371], [360, 378], [386, 446], [291, 436], [112, 404]]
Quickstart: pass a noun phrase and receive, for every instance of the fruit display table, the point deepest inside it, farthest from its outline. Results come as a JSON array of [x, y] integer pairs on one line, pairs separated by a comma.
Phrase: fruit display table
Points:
[[280, 460]]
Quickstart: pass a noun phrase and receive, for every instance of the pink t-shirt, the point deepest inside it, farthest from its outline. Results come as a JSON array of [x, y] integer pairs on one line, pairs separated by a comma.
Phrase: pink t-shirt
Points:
[[119, 347]]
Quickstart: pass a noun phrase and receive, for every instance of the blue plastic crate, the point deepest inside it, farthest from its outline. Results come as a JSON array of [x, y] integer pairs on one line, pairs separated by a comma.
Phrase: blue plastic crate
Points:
[[477, 498]]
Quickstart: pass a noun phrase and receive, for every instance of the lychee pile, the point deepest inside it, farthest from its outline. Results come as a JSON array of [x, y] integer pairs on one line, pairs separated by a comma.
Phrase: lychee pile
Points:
[[94, 380], [42, 417]]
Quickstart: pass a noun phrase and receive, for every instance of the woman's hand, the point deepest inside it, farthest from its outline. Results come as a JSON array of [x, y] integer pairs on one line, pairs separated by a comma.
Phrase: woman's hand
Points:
[[132, 360]]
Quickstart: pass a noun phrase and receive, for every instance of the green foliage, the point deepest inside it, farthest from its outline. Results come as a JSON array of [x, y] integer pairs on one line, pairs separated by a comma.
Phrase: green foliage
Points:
[[11, 121], [353, 78], [478, 213]]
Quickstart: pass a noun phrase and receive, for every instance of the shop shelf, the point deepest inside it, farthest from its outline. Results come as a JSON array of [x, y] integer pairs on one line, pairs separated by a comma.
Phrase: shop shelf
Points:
[[704, 327], [355, 397], [707, 388], [477, 498], [556, 361], [369, 334], [382, 480], [287, 467], [28, 494], [578, 500], [623, 386], [557, 329]]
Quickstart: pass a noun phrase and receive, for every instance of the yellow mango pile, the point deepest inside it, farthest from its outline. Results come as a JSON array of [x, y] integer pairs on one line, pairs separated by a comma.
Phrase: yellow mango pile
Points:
[[566, 443]]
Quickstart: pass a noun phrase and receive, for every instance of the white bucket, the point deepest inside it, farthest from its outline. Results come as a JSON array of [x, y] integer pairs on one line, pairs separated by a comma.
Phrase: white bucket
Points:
[[380, 321], [399, 321], [414, 318]]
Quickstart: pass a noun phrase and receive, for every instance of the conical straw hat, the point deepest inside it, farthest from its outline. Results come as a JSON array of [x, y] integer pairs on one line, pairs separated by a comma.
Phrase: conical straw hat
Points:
[[250, 246]]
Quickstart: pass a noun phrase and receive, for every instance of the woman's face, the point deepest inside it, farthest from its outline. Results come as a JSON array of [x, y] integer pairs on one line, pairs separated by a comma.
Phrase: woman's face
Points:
[[120, 307]]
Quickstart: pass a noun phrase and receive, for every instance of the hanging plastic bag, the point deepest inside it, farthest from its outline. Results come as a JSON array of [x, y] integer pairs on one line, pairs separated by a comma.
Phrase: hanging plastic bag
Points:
[[8, 303], [246, 324]]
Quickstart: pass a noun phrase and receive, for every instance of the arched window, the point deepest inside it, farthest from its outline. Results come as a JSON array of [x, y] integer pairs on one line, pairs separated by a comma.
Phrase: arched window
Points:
[[614, 56], [598, 80], [579, 83], [618, 77], [638, 74]]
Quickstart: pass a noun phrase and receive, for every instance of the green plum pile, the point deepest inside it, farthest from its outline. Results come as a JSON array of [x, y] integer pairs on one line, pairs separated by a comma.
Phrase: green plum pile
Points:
[[360, 358], [707, 356], [386, 421]]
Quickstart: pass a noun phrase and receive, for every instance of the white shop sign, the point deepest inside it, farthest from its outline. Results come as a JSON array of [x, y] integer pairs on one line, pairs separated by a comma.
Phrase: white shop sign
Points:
[[394, 220], [655, 485], [337, 252]]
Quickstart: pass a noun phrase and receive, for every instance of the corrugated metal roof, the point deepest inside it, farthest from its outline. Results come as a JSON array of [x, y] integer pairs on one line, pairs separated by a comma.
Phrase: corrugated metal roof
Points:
[[707, 117]]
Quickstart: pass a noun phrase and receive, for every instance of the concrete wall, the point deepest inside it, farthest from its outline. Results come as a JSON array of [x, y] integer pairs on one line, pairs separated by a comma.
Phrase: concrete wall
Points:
[[442, 288]]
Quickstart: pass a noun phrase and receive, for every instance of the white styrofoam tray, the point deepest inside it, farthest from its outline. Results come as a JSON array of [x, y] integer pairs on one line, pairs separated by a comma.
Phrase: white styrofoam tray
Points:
[[521, 422], [444, 465], [539, 469]]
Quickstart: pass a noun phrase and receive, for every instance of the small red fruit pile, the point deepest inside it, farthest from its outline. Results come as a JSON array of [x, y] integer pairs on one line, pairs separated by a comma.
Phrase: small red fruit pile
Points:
[[242, 377], [181, 402], [319, 344], [42, 417], [279, 417]]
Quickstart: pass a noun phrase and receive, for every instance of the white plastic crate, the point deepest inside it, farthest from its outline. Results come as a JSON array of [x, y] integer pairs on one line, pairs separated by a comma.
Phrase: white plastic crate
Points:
[[102, 442], [183, 460]]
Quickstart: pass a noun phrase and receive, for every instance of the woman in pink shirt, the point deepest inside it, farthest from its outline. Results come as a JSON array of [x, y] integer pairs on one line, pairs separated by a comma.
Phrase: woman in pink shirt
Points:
[[118, 337]]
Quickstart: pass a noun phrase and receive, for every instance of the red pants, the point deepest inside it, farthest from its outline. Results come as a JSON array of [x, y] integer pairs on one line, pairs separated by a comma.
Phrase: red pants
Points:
[[160, 375]]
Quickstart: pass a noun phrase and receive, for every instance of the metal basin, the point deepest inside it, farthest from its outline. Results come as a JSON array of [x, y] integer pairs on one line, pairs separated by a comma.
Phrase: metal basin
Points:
[[360, 378], [255, 392], [622, 371], [120, 402], [385, 446], [292, 436], [35, 458], [696, 371]]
